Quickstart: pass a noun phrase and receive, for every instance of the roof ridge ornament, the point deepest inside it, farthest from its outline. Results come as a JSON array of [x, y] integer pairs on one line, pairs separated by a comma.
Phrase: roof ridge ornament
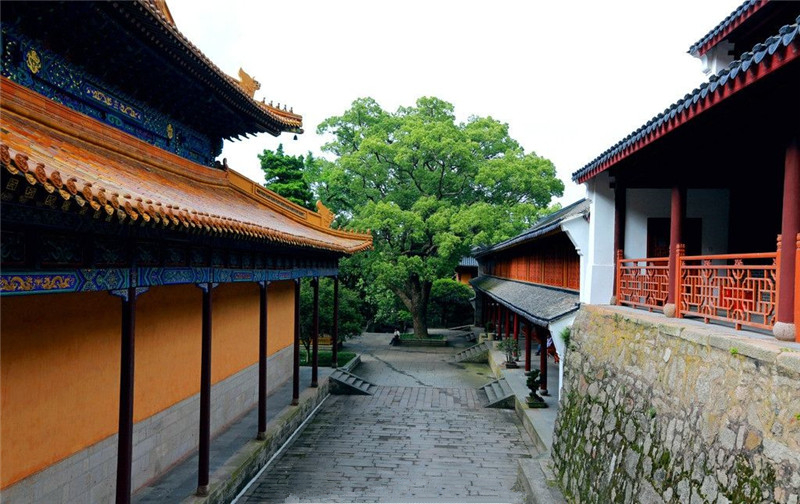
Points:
[[249, 84]]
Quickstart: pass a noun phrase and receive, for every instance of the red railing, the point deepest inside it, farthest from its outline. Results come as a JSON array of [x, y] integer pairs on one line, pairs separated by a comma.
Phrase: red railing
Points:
[[737, 288], [642, 282]]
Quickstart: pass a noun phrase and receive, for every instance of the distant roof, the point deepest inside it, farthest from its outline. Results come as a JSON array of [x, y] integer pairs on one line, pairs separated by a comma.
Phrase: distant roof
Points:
[[79, 160], [541, 227], [468, 262], [539, 303], [765, 58], [726, 26]]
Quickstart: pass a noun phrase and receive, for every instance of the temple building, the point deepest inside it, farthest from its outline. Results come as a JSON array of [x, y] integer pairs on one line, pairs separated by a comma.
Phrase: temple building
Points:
[[149, 293], [696, 213], [529, 285]]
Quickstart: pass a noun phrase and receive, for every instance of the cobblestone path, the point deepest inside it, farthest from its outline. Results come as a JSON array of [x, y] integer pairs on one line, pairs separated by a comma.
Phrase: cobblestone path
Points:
[[404, 444]]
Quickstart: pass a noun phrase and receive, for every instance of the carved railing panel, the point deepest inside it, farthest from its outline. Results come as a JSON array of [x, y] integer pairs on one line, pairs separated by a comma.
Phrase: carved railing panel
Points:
[[643, 282], [737, 288]]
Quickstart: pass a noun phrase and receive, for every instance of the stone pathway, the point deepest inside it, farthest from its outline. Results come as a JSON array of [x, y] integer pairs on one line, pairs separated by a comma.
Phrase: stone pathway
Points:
[[406, 443]]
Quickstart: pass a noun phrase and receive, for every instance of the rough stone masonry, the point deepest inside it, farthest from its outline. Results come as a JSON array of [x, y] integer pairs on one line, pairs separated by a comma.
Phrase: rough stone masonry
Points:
[[655, 410]]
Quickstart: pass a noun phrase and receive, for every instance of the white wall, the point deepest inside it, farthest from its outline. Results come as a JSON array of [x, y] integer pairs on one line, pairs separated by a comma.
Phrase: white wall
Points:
[[641, 204], [577, 230], [599, 282], [713, 206], [710, 205], [555, 331]]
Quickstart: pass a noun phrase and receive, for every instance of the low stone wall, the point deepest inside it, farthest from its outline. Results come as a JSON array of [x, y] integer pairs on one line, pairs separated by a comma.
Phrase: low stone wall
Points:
[[424, 342], [658, 410]]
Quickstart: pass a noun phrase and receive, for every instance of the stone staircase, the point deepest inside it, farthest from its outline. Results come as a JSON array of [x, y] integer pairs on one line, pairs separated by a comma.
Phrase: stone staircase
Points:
[[475, 353], [499, 394], [346, 383]]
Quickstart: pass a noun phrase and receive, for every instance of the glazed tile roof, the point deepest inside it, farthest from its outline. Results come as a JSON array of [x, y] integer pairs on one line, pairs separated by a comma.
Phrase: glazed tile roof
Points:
[[539, 303], [82, 160], [158, 10], [543, 226], [468, 262], [726, 26], [764, 59]]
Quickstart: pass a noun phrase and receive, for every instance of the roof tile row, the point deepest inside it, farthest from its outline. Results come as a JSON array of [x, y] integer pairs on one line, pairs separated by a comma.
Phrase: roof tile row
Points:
[[763, 59]]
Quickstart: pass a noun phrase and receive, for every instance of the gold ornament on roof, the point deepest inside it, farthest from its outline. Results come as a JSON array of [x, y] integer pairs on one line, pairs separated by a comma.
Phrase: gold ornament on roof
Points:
[[248, 84], [325, 213], [33, 61]]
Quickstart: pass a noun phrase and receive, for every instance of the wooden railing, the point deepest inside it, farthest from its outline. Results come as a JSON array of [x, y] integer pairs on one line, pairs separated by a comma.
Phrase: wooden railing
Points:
[[737, 288], [741, 289], [642, 282]]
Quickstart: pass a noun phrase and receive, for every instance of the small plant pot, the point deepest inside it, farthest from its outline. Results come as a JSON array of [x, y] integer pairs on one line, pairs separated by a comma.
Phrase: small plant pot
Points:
[[511, 365]]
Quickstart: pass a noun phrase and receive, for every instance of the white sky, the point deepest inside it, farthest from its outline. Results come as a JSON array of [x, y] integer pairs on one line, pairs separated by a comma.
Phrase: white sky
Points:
[[570, 78]]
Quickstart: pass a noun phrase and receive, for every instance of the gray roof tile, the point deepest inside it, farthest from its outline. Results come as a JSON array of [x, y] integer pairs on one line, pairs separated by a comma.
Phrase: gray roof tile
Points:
[[539, 303]]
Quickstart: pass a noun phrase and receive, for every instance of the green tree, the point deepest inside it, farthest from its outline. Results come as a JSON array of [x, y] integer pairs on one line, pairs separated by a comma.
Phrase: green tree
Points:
[[450, 303], [429, 188], [351, 321], [286, 175]]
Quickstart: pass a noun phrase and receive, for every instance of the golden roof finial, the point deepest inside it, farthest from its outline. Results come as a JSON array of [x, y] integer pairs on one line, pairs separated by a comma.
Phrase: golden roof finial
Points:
[[249, 84]]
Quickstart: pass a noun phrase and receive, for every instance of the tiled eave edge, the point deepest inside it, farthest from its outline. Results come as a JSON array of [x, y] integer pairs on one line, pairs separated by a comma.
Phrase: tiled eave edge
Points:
[[765, 59], [287, 120], [537, 320], [726, 27]]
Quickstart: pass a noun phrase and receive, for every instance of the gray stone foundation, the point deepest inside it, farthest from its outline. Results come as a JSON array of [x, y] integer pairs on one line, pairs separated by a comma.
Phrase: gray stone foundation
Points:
[[658, 410]]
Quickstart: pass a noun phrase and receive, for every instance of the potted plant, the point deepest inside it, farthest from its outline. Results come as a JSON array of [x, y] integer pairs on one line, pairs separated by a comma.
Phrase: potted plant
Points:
[[510, 347], [534, 400]]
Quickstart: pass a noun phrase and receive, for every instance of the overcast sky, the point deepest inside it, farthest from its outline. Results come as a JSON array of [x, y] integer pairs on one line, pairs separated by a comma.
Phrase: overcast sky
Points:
[[570, 78]]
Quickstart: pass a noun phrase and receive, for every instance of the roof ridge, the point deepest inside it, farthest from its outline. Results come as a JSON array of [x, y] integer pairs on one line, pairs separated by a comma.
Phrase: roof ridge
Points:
[[731, 21]]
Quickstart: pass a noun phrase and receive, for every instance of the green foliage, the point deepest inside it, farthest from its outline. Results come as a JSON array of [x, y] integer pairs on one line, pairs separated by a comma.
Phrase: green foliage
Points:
[[286, 175], [450, 304], [351, 321], [734, 351], [566, 335], [429, 188], [510, 347], [533, 382]]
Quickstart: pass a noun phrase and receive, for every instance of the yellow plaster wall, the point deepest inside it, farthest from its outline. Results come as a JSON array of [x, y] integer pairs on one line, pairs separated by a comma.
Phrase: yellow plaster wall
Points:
[[167, 354], [280, 316], [59, 362], [59, 378]]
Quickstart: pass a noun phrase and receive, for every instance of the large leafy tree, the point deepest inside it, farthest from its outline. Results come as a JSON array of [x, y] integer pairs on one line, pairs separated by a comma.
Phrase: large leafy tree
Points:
[[285, 175], [429, 188]]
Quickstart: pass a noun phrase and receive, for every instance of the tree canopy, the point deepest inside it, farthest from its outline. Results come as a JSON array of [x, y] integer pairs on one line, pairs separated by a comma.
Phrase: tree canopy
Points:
[[429, 188], [286, 175]]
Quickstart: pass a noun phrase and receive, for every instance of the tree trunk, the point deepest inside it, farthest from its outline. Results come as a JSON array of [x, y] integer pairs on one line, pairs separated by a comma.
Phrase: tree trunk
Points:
[[416, 298]]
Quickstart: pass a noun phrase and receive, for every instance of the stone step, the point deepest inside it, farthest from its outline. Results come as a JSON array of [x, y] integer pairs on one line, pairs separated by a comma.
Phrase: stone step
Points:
[[345, 382], [499, 394], [473, 353]]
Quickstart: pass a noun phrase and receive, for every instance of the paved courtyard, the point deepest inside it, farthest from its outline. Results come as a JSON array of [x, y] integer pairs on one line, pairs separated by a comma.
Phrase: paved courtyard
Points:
[[424, 436]]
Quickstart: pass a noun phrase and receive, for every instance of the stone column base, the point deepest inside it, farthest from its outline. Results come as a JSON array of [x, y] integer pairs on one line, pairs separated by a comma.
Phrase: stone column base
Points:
[[202, 491], [261, 436], [613, 300], [784, 331], [669, 310]]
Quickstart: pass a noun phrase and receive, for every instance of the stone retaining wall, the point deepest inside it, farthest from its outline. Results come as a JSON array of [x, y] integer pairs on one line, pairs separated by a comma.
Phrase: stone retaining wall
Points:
[[655, 410]]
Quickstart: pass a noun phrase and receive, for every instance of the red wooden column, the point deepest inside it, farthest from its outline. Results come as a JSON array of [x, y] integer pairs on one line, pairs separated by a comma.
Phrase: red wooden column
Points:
[[542, 332], [262, 361], [507, 326], [205, 394], [497, 319], [315, 335], [335, 335], [296, 359], [516, 327], [785, 327], [676, 218], [528, 337], [620, 202], [125, 438]]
